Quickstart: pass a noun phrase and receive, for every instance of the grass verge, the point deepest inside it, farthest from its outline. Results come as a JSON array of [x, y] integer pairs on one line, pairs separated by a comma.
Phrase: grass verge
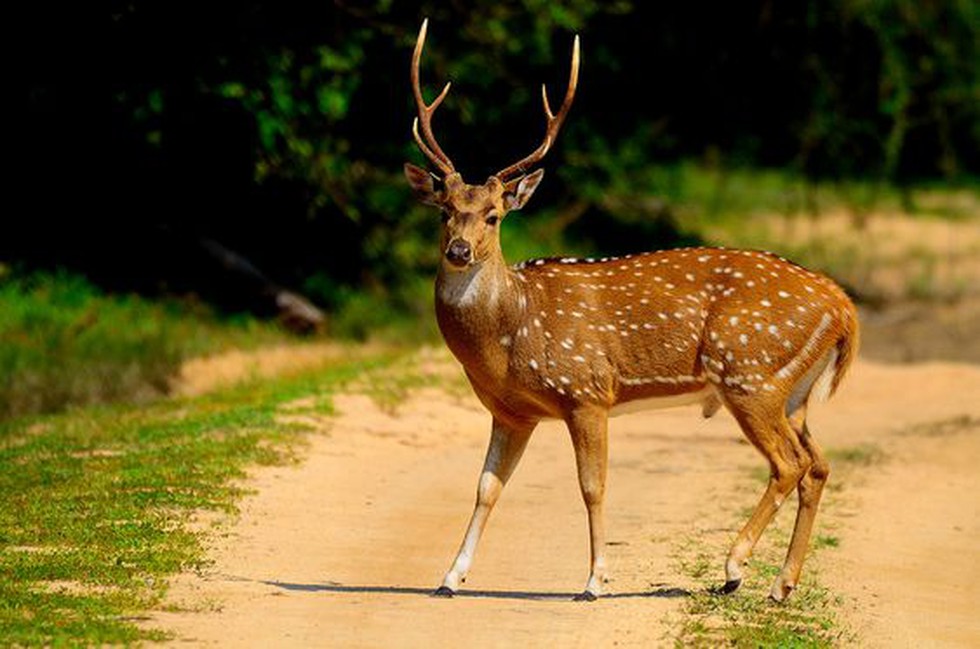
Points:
[[99, 503], [748, 618]]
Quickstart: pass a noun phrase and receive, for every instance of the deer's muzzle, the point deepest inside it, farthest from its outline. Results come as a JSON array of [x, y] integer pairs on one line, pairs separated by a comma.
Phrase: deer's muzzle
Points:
[[459, 252]]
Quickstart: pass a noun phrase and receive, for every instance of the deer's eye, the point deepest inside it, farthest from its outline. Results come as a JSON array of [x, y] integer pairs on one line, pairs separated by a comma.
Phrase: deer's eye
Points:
[[492, 219]]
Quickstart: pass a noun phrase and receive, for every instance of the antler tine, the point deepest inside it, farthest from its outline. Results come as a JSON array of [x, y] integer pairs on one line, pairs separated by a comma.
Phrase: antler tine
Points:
[[429, 146], [554, 122]]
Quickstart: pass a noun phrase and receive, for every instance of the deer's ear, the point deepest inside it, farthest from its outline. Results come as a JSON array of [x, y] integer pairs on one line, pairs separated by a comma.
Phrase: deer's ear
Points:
[[423, 184], [517, 192]]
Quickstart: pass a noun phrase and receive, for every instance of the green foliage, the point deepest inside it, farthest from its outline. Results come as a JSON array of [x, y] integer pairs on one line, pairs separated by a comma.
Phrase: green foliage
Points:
[[298, 102], [63, 342], [309, 103], [285, 125]]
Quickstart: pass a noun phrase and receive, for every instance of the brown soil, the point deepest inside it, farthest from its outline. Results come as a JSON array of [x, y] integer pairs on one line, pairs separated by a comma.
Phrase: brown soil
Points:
[[913, 332], [342, 549], [209, 373]]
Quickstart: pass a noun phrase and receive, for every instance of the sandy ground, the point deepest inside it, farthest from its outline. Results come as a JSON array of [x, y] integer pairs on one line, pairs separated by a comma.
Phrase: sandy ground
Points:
[[209, 373], [343, 549]]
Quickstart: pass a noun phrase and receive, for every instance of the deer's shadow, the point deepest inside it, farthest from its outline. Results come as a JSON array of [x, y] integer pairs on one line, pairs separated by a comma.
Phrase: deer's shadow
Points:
[[660, 591]]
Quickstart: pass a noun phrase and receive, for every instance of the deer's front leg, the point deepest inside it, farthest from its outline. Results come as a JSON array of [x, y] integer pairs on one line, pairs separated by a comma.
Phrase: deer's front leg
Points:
[[507, 444], [589, 437]]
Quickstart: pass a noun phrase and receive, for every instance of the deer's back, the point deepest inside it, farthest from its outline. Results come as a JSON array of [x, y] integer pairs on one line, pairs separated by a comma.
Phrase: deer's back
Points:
[[667, 323]]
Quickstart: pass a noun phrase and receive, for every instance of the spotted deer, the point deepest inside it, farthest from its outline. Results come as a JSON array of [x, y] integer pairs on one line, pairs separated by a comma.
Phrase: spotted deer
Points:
[[583, 339]]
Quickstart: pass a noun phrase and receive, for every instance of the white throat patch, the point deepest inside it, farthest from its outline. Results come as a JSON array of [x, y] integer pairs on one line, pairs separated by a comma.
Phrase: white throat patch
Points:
[[463, 288]]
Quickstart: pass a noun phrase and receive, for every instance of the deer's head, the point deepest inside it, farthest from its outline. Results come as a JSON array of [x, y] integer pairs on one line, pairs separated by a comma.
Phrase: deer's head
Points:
[[471, 214]]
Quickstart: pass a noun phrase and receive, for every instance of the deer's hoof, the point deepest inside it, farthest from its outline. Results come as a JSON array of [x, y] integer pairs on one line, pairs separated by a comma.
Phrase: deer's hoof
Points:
[[780, 590], [585, 596], [443, 591], [727, 588]]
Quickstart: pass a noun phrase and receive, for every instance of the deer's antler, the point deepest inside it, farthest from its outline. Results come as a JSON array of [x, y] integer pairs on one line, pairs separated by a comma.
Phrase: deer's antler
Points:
[[429, 146], [554, 122]]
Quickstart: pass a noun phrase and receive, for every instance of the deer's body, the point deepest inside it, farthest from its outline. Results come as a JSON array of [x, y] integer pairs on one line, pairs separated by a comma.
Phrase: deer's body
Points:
[[581, 340], [548, 336]]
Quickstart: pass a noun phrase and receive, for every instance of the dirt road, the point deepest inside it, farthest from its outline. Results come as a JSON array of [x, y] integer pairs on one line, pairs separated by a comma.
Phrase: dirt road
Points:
[[343, 549]]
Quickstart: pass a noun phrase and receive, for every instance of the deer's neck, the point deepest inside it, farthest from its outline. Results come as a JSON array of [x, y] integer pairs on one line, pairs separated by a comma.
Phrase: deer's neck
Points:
[[477, 311]]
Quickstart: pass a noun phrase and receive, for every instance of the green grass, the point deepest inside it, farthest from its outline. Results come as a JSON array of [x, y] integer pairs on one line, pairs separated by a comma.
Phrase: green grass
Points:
[[748, 618], [63, 342], [700, 193], [711, 194], [860, 455], [390, 386], [821, 541], [98, 504], [943, 427]]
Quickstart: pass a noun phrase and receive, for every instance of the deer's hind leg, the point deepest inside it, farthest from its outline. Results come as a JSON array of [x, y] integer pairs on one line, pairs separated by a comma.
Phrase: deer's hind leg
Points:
[[766, 426], [809, 490]]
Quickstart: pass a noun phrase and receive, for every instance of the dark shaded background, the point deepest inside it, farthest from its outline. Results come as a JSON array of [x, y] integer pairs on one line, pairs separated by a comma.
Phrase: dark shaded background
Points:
[[154, 131]]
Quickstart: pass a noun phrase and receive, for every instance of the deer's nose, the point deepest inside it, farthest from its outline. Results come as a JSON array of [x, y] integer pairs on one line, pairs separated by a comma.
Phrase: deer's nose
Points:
[[459, 252]]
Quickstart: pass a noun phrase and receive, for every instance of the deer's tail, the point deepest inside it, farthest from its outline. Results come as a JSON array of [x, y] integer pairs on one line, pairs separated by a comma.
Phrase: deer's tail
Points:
[[841, 356]]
